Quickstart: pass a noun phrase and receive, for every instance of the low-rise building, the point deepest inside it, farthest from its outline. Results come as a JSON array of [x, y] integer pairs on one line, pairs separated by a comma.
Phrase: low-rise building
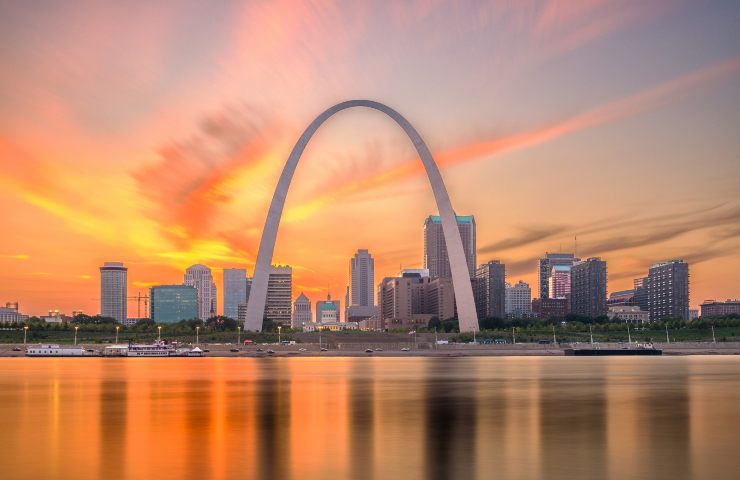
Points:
[[328, 310], [628, 313], [330, 326], [55, 317], [10, 314], [714, 308], [550, 307]]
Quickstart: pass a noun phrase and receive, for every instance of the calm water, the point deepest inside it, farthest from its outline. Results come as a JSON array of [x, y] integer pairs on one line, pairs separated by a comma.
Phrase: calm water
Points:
[[355, 418]]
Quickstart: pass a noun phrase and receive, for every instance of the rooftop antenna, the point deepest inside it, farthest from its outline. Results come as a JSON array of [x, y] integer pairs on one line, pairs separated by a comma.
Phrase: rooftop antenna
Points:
[[575, 246]]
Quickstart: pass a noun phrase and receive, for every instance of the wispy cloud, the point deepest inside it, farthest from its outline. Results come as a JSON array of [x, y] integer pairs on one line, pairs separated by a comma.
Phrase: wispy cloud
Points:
[[17, 256], [613, 111]]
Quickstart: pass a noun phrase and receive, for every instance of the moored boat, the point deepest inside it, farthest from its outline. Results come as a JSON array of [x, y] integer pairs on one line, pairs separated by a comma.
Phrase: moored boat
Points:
[[157, 349], [54, 350]]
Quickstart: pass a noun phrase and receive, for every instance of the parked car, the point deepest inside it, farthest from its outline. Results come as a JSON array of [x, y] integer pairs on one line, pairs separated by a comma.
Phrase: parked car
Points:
[[234, 350]]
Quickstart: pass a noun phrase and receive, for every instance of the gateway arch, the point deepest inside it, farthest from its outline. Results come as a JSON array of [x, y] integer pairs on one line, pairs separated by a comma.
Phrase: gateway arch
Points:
[[460, 275]]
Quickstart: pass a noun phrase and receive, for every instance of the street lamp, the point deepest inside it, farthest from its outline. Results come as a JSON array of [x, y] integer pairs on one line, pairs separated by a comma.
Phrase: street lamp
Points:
[[159, 334], [197, 329], [279, 328], [117, 327], [76, 328], [238, 335], [25, 331]]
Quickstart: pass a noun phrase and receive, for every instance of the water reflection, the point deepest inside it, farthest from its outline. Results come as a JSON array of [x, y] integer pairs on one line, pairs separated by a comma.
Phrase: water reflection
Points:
[[370, 418], [572, 419], [450, 400]]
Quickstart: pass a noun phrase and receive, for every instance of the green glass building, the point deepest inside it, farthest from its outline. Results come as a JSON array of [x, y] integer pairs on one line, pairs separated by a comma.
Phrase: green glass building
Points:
[[172, 303]]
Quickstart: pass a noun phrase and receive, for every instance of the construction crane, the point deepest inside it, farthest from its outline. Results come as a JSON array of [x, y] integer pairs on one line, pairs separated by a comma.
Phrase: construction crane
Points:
[[139, 297]]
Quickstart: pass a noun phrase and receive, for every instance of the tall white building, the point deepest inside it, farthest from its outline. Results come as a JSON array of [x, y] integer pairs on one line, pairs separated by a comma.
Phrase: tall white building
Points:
[[518, 300], [302, 314], [199, 276], [235, 291], [113, 291]]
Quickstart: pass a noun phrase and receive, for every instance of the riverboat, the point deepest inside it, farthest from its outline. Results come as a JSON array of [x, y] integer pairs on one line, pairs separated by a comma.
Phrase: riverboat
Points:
[[53, 350], [157, 349]]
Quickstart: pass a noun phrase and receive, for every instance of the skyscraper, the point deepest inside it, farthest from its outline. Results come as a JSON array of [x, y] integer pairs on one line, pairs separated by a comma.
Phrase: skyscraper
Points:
[[113, 291], [362, 275], [490, 290], [172, 303], [544, 268], [360, 303], [668, 290], [435, 250], [199, 276], [518, 300], [235, 291], [279, 295], [302, 314], [588, 288]]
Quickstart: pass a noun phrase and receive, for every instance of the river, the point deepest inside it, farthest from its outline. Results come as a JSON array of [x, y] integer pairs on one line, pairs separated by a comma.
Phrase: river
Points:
[[357, 418]]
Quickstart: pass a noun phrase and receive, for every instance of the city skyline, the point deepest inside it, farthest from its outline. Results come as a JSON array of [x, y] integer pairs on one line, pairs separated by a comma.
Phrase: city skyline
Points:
[[185, 151]]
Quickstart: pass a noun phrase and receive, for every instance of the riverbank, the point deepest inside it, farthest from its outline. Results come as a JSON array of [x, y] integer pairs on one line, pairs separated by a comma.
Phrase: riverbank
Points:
[[395, 349]]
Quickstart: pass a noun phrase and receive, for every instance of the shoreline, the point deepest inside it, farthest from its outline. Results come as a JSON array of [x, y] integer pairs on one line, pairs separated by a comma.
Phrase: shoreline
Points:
[[394, 350]]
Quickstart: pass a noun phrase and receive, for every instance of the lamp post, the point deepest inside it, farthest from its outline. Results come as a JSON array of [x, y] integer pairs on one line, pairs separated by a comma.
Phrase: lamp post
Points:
[[159, 332], [76, 328], [25, 331], [714, 339], [667, 340], [197, 329], [238, 335], [590, 330], [117, 327], [280, 327], [513, 336]]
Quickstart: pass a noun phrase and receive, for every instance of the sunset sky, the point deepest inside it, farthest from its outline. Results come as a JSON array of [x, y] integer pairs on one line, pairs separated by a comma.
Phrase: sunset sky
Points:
[[153, 133]]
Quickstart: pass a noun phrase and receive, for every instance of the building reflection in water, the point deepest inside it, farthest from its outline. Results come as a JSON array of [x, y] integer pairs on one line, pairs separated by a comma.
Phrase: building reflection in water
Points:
[[112, 418], [572, 418], [450, 421], [409, 418]]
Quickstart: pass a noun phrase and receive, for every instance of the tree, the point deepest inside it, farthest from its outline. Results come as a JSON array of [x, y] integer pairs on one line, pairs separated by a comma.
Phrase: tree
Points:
[[434, 323], [221, 323]]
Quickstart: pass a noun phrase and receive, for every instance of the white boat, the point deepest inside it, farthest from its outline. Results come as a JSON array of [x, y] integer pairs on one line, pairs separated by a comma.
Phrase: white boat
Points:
[[53, 350], [156, 349]]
